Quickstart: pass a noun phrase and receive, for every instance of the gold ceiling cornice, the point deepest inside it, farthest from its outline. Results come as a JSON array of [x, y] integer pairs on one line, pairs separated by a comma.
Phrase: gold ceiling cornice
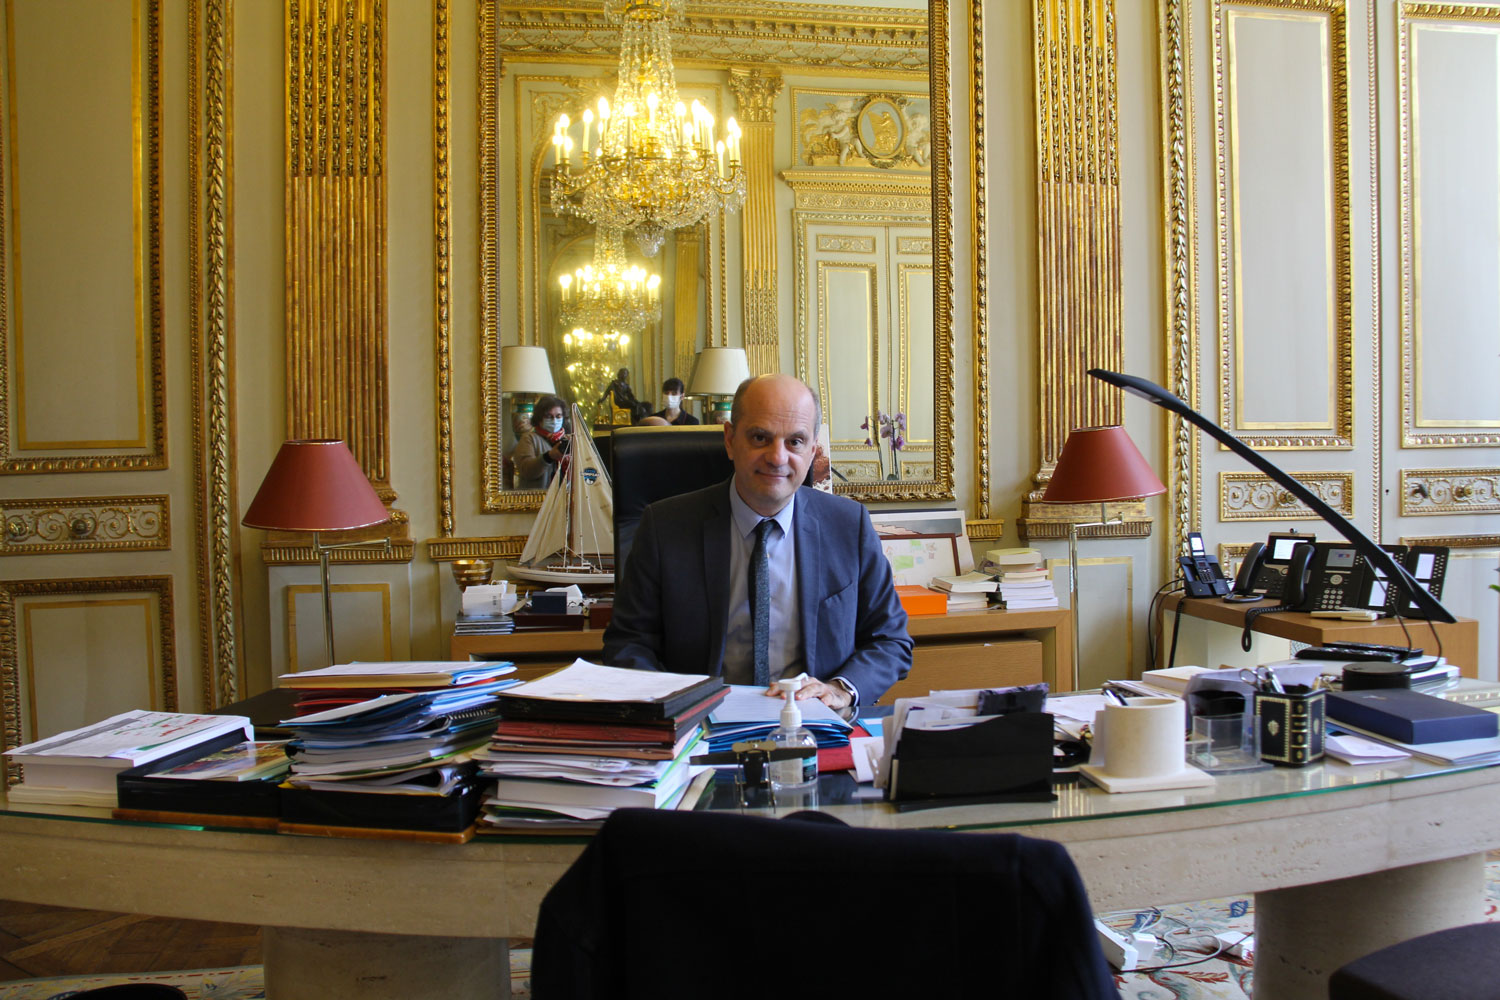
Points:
[[732, 33]]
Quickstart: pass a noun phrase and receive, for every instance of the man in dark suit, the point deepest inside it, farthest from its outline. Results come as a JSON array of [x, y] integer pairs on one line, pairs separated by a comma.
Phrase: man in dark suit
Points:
[[758, 579]]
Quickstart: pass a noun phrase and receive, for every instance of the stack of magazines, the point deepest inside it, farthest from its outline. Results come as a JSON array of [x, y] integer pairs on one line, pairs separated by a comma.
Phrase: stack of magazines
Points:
[[399, 759], [583, 741]]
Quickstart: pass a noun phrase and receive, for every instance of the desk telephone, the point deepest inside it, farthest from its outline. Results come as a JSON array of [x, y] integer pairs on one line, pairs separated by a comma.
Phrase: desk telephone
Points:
[[1327, 576], [1201, 574], [1263, 569]]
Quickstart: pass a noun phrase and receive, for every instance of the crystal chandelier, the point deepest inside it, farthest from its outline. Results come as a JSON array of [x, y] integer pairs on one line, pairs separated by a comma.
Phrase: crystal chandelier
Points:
[[607, 296], [652, 165]]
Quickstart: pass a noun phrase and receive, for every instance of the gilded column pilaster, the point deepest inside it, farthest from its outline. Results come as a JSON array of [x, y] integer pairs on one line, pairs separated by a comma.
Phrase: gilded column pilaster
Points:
[[1078, 213], [686, 277], [755, 91], [338, 380]]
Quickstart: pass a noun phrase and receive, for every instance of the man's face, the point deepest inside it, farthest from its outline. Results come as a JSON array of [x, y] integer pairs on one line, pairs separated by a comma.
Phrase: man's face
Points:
[[772, 443]]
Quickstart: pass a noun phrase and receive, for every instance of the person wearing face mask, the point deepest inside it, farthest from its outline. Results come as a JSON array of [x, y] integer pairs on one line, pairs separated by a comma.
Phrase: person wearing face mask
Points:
[[673, 413], [539, 453]]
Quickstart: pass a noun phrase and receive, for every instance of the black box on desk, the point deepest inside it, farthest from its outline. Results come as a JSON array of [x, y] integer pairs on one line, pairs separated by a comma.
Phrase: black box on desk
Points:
[[1007, 758], [1291, 726], [315, 810], [1411, 716], [143, 796]]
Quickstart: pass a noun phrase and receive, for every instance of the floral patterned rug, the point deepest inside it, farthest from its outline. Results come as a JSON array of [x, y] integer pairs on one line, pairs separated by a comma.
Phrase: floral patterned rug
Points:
[[1178, 971]]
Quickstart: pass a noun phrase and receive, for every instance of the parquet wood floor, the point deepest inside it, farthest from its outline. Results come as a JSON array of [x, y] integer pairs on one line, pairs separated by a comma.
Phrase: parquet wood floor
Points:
[[37, 941]]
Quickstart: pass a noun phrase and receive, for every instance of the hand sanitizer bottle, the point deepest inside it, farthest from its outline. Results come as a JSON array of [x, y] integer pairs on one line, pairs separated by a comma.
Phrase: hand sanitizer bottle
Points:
[[796, 773]]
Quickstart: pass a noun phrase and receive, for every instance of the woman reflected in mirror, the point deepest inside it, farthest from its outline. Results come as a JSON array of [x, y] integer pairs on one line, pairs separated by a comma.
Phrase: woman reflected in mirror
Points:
[[673, 413], [540, 452]]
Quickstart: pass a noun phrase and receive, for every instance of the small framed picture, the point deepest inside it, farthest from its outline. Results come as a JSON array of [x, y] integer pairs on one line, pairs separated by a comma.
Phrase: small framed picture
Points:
[[916, 559]]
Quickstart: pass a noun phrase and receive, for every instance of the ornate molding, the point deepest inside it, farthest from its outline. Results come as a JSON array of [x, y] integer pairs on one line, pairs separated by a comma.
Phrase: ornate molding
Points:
[[807, 37], [755, 91], [1251, 496], [846, 244], [337, 343], [210, 324], [1429, 492], [148, 196], [286, 552], [1414, 433], [442, 270], [499, 547], [1341, 433], [980, 277], [10, 669], [1454, 541], [1180, 291], [985, 529], [85, 524]]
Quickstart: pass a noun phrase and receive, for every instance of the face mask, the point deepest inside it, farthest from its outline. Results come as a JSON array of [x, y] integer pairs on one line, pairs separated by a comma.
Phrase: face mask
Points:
[[673, 401], [551, 425]]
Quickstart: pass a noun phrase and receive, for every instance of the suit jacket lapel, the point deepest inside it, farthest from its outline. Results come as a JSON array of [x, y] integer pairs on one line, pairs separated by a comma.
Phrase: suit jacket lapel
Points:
[[716, 577], [809, 578]]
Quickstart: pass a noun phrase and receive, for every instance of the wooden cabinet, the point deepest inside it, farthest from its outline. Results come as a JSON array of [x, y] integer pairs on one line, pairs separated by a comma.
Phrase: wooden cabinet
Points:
[[963, 649]]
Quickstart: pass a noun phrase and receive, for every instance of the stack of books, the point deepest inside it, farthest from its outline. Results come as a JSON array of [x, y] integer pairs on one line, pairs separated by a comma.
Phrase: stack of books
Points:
[[1024, 581], [971, 591], [484, 624], [581, 742], [351, 683], [82, 766], [390, 746]]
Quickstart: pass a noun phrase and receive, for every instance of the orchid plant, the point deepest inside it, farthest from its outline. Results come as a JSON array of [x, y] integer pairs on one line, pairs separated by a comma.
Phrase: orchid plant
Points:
[[890, 429]]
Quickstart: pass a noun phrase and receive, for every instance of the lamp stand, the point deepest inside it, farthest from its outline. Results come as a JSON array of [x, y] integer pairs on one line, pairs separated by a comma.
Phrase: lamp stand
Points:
[[323, 551], [1073, 527]]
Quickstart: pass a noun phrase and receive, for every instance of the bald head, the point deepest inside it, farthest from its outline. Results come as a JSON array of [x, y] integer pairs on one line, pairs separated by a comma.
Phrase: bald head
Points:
[[780, 384], [771, 437]]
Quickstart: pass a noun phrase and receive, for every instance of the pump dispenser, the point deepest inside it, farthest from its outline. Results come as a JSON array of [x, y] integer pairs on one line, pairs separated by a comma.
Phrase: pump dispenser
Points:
[[796, 772]]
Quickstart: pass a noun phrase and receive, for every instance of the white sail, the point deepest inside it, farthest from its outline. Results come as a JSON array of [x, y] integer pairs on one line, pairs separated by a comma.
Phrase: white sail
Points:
[[593, 500], [576, 520], [549, 535]]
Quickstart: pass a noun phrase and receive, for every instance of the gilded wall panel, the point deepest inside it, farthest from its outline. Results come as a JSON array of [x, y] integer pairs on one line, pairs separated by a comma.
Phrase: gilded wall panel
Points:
[[1281, 101], [1450, 224], [1251, 496], [75, 651], [37, 526], [1449, 491], [82, 318]]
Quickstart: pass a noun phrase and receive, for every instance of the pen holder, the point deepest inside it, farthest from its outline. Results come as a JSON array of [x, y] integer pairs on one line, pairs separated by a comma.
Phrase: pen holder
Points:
[[1291, 726]]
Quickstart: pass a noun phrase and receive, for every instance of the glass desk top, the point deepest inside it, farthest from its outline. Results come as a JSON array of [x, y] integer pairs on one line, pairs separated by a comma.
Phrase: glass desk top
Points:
[[862, 805]]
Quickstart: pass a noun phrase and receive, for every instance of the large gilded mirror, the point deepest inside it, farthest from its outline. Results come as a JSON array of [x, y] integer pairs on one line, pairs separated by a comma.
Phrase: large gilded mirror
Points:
[[835, 266]]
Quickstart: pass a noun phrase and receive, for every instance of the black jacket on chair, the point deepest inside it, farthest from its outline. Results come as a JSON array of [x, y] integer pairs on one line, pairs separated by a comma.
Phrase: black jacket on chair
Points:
[[675, 904]]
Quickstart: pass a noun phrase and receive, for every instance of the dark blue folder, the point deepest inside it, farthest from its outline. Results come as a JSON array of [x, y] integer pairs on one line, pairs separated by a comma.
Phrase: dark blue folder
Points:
[[1411, 716]]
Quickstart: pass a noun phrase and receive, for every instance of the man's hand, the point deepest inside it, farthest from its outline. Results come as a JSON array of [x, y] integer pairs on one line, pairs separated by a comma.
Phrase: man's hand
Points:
[[832, 695]]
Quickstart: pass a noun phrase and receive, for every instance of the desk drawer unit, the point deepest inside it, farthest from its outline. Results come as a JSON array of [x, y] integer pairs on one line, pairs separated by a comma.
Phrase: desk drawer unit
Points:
[[946, 666]]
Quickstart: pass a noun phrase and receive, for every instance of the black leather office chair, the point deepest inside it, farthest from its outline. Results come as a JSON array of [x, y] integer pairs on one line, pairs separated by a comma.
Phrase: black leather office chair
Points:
[[676, 904], [1445, 965], [131, 991], [653, 463]]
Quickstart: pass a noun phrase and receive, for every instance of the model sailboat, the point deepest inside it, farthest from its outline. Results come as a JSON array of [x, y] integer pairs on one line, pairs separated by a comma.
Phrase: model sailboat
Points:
[[573, 540]]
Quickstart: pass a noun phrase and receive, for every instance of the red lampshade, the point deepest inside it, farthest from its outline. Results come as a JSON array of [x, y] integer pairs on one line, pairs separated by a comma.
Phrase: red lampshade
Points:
[[315, 486], [1099, 464]]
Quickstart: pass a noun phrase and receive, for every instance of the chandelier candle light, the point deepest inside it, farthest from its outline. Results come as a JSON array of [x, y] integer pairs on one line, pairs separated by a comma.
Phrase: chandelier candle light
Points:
[[607, 296], [653, 165]]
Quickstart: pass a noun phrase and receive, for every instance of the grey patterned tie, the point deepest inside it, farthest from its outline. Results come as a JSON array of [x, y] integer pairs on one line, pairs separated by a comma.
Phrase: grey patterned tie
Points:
[[760, 604]]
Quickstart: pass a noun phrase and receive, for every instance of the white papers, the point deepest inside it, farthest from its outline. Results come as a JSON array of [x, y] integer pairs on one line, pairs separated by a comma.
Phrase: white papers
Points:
[[138, 737], [750, 703], [403, 668], [1076, 707], [585, 681], [489, 599], [1357, 750], [866, 751]]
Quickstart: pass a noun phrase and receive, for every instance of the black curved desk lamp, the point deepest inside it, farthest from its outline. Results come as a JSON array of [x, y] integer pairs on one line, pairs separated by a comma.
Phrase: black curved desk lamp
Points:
[[1378, 557]]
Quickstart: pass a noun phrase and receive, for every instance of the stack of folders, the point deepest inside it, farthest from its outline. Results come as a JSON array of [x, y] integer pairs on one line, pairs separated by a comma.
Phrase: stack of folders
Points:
[[581, 742], [81, 766], [750, 714], [233, 786], [484, 624], [1024, 581], [398, 760], [968, 592]]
